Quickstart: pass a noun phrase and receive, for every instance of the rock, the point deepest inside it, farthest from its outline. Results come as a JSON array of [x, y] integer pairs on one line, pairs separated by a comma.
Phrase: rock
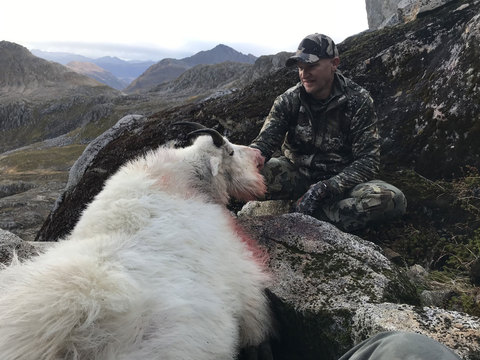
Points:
[[321, 276], [85, 160], [382, 13], [24, 212], [10, 188], [11, 244], [458, 331], [85, 163], [331, 290], [268, 207], [436, 298], [425, 67], [417, 274]]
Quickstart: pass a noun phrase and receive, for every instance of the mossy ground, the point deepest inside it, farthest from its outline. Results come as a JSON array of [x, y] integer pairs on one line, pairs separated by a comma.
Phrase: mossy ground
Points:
[[439, 232]]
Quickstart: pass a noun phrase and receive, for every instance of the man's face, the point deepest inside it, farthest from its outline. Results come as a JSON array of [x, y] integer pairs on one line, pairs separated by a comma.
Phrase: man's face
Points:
[[317, 78]]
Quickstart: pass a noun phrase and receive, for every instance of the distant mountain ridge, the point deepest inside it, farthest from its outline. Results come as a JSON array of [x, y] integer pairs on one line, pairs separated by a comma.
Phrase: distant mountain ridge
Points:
[[169, 69], [125, 71], [144, 75]]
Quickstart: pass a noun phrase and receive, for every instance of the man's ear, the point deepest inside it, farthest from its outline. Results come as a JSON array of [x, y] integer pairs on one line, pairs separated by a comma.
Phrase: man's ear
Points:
[[335, 63], [214, 165]]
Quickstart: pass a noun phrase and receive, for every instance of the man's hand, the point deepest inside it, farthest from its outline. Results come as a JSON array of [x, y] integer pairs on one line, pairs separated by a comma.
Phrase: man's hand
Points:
[[310, 201]]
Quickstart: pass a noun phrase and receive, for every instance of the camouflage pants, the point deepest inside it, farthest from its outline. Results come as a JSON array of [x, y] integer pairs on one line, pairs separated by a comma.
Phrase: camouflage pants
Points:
[[373, 201]]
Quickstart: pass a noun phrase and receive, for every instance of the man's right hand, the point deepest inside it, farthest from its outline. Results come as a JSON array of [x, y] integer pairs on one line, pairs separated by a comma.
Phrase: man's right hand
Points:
[[311, 200]]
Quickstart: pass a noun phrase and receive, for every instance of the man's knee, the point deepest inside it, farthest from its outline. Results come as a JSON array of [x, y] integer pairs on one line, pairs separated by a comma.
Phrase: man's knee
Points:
[[379, 199]]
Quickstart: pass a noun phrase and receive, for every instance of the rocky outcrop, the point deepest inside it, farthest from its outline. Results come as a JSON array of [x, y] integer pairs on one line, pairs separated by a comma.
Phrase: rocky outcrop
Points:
[[422, 76], [331, 290], [11, 245], [381, 13]]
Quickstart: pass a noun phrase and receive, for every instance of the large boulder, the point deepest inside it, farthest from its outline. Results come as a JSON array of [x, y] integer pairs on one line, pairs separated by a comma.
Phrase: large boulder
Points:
[[330, 290], [381, 13]]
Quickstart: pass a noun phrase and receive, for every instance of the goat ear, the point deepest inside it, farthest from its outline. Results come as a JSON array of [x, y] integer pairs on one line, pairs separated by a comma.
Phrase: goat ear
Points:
[[214, 165]]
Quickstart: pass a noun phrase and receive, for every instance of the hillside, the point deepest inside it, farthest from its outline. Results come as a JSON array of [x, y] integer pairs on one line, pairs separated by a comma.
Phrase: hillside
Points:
[[40, 99], [27, 75]]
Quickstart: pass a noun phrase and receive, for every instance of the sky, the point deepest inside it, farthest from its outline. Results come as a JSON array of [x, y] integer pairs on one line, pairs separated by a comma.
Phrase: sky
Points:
[[156, 29]]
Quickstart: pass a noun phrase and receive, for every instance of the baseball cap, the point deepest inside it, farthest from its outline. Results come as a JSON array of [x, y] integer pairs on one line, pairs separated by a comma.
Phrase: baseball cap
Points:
[[313, 48]]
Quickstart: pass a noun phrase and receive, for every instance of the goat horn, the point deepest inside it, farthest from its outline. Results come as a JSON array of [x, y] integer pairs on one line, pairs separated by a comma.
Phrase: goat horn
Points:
[[217, 138], [190, 123]]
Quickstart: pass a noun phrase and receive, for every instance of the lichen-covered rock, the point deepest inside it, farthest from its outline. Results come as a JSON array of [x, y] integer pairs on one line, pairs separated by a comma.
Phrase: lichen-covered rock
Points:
[[381, 13], [423, 76], [321, 276], [11, 244], [460, 332]]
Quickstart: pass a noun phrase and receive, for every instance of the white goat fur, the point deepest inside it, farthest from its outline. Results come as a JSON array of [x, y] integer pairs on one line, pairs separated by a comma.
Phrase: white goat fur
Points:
[[154, 269]]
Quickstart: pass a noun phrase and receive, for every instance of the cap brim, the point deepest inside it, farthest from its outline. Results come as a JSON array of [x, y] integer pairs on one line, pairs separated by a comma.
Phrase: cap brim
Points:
[[301, 57]]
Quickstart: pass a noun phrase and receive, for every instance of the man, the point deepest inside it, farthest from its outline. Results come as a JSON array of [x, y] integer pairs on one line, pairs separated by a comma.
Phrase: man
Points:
[[327, 127]]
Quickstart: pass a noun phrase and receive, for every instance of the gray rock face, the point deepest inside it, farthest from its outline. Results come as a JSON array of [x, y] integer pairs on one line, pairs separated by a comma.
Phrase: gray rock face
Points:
[[382, 13], [84, 161], [460, 332], [331, 290], [10, 244]]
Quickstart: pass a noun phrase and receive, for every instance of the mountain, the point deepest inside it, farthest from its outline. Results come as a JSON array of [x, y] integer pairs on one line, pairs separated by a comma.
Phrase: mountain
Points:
[[40, 99], [125, 71], [169, 69], [23, 73], [163, 71], [96, 72], [219, 54]]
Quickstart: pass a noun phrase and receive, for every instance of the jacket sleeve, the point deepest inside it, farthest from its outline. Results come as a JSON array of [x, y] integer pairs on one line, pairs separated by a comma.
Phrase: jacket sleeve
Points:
[[275, 127], [365, 149]]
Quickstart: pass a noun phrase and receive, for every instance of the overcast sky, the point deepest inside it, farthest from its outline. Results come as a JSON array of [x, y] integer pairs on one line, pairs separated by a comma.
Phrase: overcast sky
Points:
[[155, 29]]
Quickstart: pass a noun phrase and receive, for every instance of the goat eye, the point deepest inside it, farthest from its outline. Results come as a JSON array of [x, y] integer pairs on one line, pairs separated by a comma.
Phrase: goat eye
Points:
[[231, 154]]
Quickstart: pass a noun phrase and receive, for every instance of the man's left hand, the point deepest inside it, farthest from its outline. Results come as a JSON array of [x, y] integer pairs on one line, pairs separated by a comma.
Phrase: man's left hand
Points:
[[310, 201]]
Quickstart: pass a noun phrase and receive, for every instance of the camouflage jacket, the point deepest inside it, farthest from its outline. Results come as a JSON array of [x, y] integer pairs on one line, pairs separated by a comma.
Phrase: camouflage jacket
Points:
[[335, 140]]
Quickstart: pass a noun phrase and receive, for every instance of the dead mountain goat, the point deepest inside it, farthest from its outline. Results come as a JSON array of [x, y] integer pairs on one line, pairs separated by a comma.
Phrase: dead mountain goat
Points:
[[154, 269]]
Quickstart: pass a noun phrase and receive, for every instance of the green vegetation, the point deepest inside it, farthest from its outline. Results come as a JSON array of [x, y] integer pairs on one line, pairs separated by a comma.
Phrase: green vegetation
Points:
[[440, 232], [39, 163]]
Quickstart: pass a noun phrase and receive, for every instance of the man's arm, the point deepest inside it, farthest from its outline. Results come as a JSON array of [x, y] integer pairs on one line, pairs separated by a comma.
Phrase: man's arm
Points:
[[365, 150], [274, 128]]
